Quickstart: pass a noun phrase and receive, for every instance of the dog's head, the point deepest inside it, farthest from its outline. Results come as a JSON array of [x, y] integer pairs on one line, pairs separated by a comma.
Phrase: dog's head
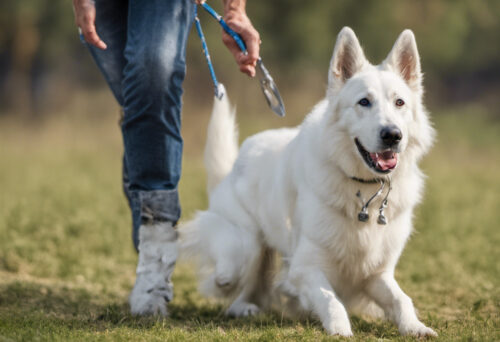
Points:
[[377, 109]]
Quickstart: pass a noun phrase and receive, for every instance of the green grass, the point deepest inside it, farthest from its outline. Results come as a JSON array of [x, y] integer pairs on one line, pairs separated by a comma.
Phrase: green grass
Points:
[[67, 262]]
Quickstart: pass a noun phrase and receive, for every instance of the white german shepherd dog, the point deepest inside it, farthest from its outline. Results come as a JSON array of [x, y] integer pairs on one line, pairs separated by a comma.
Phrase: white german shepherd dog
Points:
[[300, 193]]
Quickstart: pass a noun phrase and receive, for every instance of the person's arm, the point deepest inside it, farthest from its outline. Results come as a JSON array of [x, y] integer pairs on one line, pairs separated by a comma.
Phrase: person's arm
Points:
[[236, 18], [85, 20]]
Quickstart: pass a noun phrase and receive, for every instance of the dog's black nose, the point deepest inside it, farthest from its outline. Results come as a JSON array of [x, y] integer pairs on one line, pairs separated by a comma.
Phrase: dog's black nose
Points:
[[391, 135]]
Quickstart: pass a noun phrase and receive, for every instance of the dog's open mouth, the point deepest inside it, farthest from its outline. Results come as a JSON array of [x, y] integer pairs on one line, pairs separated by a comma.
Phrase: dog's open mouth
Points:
[[382, 162]]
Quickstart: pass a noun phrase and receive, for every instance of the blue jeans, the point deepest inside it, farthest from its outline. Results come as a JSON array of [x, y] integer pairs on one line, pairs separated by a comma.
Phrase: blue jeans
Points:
[[144, 66]]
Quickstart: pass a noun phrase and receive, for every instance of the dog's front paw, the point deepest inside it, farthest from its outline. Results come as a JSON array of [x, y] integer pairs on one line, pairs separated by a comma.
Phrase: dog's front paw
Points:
[[417, 329], [340, 328], [146, 299]]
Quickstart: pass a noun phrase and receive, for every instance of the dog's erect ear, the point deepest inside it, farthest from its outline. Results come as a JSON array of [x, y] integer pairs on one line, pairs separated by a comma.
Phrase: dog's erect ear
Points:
[[404, 60], [348, 58]]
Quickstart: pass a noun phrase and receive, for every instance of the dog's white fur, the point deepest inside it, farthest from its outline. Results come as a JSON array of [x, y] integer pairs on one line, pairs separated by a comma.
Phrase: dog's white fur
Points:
[[290, 191]]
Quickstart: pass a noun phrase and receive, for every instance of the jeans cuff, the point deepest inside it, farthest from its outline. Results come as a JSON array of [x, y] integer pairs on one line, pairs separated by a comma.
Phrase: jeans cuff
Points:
[[159, 206]]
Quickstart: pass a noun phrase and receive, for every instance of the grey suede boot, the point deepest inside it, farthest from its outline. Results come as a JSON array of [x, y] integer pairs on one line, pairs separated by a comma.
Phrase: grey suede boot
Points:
[[153, 287]]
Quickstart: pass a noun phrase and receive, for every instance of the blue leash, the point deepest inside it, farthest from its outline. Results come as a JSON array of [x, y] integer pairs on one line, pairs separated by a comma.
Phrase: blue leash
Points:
[[267, 84], [226, 28], [219, 93]]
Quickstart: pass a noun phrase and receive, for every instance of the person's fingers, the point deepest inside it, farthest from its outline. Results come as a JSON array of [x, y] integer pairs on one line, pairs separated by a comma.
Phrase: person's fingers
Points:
[[241, 24], [252, 39], [91, 37], [248, 69], [244, 63], [232, 47], [85, 20]]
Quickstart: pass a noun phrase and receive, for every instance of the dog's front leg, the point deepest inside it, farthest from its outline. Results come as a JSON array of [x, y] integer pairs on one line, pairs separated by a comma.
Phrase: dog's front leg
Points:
[[385, 291], [314, 291]]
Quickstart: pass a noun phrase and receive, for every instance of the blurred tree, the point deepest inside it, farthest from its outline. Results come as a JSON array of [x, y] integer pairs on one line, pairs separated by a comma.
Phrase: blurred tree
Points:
[[38, 44], [41, 57]]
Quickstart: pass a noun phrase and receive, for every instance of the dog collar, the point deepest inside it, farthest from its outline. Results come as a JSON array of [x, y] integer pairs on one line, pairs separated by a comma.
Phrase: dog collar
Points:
[[367, 181]]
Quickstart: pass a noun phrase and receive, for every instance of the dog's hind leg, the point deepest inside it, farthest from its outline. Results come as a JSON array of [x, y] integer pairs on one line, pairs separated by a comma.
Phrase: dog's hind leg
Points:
[[256, 283], [241, 307], [263, 292], [216, 245], [232, 262], [226, 254]]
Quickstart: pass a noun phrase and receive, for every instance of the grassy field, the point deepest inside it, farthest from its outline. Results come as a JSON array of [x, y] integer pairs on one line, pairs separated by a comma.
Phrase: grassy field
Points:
[[67, 262]]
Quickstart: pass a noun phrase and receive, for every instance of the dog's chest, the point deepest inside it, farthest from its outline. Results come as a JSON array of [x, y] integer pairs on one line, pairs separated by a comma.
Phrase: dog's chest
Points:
[[358, 252]]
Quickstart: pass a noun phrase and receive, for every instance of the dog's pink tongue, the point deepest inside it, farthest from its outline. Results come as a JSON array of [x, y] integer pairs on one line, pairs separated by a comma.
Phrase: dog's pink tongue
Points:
[[385, 160]]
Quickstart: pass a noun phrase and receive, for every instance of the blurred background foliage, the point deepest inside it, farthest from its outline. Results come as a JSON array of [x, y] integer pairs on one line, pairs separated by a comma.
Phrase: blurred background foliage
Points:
[[43, 64]]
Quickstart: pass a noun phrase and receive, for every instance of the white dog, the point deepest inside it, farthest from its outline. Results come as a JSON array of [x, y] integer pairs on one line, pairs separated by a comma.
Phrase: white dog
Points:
[[300, 193]]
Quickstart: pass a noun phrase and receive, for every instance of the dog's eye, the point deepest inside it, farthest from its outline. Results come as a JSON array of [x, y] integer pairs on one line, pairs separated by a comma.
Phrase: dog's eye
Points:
[[399, 102], [364, 102]]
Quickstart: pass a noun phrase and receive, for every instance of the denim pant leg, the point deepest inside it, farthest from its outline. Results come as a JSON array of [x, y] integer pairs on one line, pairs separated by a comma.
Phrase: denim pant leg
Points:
[[144, 66], [111, 26], [157, 33]]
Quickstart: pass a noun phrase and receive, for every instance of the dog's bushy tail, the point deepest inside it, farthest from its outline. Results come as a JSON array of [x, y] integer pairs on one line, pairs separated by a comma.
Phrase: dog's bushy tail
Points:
[[202, 238], [221, 148]]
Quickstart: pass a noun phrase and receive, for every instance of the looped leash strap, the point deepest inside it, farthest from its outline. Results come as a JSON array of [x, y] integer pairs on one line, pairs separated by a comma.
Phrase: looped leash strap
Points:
[[217, 90]]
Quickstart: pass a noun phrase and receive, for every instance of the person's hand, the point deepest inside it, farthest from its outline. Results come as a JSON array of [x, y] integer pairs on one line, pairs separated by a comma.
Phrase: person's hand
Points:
[[85, 20], [240, 23], [199, 2]]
